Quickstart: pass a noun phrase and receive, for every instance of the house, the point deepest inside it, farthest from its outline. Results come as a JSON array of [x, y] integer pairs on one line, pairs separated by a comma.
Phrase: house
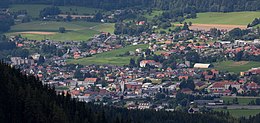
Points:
[[252, 86], [193, 110], [254, 71], [183, 77], [204, 66], [143, 106], [90, 80], [143, 63], [186, 91], [223, 87]]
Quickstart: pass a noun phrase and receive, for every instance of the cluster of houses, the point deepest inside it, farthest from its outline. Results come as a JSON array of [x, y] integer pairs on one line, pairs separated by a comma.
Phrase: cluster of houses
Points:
[[112, 84]]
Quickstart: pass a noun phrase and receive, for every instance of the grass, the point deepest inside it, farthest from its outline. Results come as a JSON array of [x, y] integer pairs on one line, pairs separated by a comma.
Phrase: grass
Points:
[[153, 14], [236, 67], [241, 101], [34, 9], [107, 27], [78, 31], [241, 112], [231, 18], [110, 57]]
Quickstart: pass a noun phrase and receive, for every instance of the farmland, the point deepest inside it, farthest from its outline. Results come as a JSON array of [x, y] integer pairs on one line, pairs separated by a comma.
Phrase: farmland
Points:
[[79, 31], [110, 57], [228, 21], [236, 67], [231, 18], [241, 100]]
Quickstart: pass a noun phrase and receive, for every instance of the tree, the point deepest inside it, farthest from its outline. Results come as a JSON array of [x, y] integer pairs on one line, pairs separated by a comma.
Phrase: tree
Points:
[[132, 62], [234, 90], [185, 26], [239, 56], [257, 101], [236, 33], [190, 23], [6, 21], [49, 11], [41, 60], [69, 18], [62, 29]]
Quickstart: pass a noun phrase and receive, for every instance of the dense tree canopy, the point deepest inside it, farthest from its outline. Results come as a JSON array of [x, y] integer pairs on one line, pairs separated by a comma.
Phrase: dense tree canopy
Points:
[[186, 5]]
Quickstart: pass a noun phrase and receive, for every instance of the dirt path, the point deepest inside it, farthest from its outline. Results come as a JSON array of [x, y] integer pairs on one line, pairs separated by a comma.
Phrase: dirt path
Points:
[[37, 32]]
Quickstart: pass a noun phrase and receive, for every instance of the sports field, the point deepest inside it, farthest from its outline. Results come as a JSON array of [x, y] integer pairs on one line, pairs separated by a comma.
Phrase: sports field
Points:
[[236, 67], [111, 57], [77, 31]]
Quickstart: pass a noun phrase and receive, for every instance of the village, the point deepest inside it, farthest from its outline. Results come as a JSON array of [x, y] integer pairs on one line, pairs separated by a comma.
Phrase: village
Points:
[[163, 82]]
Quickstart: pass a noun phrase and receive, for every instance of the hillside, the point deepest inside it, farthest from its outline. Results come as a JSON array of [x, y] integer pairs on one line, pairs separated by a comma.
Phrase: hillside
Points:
[[25, 99]]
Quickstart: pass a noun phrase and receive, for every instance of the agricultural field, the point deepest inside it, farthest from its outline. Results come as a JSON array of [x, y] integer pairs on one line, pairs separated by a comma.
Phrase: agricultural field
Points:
[[228, 21], [240, 112], [34, 10], [106, 27], [241, 100], [78, 31], [231, 18], [110, 57], [236, 67]]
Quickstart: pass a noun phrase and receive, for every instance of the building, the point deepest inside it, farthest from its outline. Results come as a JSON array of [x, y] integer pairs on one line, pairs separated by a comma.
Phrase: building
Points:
[[203, 66]]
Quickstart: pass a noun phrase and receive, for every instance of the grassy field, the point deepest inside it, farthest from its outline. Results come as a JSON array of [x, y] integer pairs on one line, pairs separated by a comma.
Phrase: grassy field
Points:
[[241, 112], [236, 67], [78, 31], [107, 27], [34, 10], [231, 18], [241, 101], [154, 13], [110, 57]]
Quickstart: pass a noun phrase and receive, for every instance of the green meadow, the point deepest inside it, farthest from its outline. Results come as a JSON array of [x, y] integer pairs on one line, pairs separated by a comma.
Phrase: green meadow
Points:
[[236, 67], [230, 18], [241, 100], [78, 31], [110, 57]]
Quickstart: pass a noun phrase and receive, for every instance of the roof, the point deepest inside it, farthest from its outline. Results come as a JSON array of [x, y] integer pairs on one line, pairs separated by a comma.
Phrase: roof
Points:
[[200, 65], [90, 79]]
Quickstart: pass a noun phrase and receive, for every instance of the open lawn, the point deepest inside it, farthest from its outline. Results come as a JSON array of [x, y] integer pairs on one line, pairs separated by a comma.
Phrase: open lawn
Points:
[[236, 67], [111, 57], [34, 10], [240, 112], [78, 31]]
